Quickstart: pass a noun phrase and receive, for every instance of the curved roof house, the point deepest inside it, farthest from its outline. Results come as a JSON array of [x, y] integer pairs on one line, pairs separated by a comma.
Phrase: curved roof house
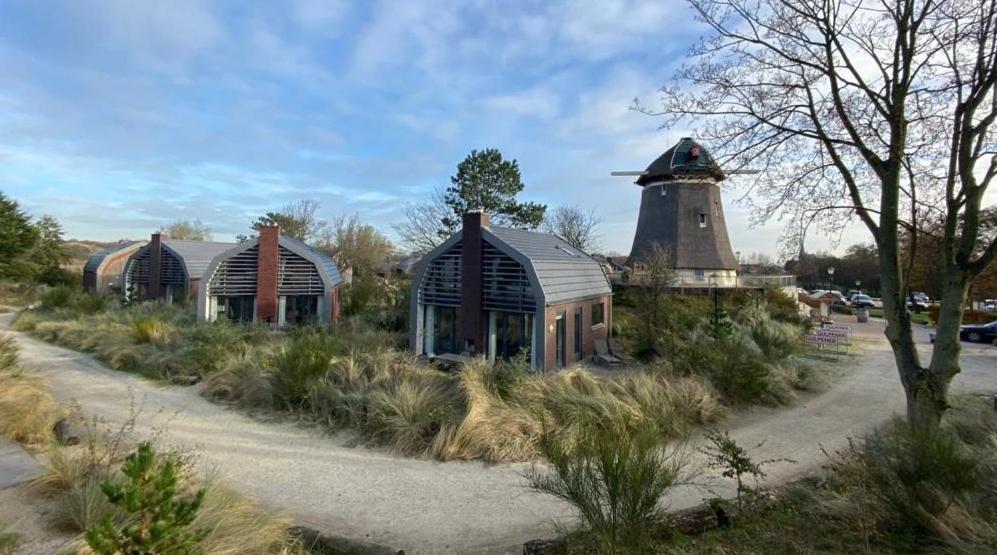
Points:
[[681, 210], [169, 269], [274, 279], [495, 291], [104, 269]]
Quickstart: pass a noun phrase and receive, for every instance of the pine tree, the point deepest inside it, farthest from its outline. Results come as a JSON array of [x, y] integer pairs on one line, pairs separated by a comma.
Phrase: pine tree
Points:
[[17, 238], [486, 181], [159, 522]]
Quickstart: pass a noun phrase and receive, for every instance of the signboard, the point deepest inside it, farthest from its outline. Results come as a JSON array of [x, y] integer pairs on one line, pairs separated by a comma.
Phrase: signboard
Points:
[[832, 333], [820, 340], [837, 327]]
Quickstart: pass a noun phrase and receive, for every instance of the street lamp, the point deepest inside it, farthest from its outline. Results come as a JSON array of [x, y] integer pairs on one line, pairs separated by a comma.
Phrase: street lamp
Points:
[[830, 277], [858, 285]]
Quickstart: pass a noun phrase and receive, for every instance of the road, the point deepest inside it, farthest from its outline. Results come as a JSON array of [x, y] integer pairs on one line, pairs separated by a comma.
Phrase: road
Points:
[[424, 506]]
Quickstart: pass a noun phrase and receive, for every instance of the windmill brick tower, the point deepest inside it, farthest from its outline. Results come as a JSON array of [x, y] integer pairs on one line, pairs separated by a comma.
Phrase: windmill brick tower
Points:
[[680, 210]]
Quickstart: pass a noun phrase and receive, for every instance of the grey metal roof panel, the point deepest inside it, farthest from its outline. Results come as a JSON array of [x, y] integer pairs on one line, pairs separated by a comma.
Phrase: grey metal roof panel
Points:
[[94, 260], [685, 158], [565, 273], [196, 255], [318, 256]]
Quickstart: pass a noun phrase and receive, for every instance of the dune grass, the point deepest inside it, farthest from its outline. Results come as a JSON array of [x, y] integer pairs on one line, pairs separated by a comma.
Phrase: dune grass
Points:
[[354, 378], [27, 409], [896, 491]]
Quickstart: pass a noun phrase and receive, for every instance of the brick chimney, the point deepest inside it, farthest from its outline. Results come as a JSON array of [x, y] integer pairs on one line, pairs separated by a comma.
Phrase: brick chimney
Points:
[[156, 266], [472, 321], [266, 274]]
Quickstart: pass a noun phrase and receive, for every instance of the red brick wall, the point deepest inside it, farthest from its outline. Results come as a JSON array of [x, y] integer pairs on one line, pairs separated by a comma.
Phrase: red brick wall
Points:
[[589, 335], [337, 303], [472, 323], [156, 290], [266, 274]]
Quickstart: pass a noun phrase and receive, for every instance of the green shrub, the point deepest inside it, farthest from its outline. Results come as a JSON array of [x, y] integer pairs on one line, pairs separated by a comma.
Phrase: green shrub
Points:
[[91, 303], [8, 541], [158, 519], [614, 479], [149, 329], [300, 365], [59, 296]]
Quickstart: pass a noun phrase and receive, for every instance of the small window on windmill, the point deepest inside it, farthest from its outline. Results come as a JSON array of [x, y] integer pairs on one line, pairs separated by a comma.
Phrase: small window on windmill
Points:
[[702, 220]]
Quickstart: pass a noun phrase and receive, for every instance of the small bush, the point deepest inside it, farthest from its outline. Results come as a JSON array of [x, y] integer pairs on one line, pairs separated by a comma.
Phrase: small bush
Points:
[[614, 479], [300, 365], [59, 296], [91, 303], [27, 409], [409, 414], [149, 329], [8, 541]]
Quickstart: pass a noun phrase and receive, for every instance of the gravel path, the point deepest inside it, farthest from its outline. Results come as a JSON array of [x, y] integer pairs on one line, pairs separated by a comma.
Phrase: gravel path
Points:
[[423, 506]]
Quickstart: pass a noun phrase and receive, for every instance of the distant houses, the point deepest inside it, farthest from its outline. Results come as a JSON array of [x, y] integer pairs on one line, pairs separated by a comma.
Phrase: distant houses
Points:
[[168, 269], [103, 269], [273, 279], [500, 293]]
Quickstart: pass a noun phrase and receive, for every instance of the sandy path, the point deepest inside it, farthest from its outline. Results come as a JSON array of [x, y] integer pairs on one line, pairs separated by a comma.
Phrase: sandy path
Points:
[[424, 506]]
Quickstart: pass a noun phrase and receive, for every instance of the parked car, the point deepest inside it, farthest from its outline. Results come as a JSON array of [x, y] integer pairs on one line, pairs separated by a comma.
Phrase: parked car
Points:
[[917, 304], [921, 297], [983, 333], [862, 301], [990, 305], [852, 293]]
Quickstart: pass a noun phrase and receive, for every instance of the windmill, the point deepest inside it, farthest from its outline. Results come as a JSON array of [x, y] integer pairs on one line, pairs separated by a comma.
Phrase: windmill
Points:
[[681, 211]]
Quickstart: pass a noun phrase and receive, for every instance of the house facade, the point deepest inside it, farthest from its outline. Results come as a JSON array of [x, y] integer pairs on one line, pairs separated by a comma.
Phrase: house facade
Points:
[[169, 269], [104, 270], [499, 293], [272, 279]]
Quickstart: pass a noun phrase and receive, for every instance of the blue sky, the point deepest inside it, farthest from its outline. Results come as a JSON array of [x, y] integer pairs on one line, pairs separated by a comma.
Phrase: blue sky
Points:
[[119, 116]]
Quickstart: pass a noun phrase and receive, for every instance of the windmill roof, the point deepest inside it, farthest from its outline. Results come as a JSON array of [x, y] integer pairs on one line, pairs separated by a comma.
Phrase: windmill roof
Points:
[[684, 159]]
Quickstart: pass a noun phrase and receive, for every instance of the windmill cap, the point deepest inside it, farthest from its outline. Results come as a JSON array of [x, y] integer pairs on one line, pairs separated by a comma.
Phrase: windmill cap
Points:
[[686, 158]]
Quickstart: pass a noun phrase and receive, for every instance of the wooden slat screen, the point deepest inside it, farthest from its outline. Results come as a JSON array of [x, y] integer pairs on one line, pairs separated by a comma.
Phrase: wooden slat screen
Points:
[[297, 275], [505, 283], [236, 275], [441, 284]]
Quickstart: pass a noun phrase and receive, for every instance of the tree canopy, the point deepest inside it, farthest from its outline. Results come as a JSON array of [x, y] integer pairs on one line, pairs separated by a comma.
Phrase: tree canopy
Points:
[[580, 228], [18, 236], [190, 230], [296, 219], [486, 181]]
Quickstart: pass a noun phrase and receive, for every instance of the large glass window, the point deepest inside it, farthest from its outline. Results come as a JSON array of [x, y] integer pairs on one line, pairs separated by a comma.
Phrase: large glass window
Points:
[[237, 309], [512, 334], [446, 330], [301, 309]]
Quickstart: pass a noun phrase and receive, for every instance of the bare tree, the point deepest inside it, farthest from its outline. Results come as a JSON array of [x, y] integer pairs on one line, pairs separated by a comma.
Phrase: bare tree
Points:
[[354, 244], [881, 110], [576, 226], [191, 230], [654, 275], [297, 219], [420, 232]]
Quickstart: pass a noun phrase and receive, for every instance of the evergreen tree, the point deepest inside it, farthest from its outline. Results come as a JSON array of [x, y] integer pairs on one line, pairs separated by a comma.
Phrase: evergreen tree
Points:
[[485, 180], [159, 521], [49, 253], [17, 237]]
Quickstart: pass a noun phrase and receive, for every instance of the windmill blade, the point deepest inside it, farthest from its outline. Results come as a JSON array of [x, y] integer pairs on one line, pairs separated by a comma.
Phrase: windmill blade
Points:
[[627, 174]]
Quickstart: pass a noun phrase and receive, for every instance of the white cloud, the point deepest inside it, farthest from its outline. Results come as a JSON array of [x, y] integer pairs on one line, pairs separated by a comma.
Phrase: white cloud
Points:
[[536, 101]]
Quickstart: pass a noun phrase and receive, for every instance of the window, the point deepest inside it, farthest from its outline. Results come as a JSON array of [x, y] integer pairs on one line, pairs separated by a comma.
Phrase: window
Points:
[[513, 334], [446, 330], [578, 333], [699, 273], [560, 340], [598, 314], [702, 219]]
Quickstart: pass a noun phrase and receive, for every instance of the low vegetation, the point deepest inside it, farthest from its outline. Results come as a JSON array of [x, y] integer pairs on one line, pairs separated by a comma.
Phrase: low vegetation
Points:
[[356, 377], [896, 491], [614, 478], [27, 410]]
